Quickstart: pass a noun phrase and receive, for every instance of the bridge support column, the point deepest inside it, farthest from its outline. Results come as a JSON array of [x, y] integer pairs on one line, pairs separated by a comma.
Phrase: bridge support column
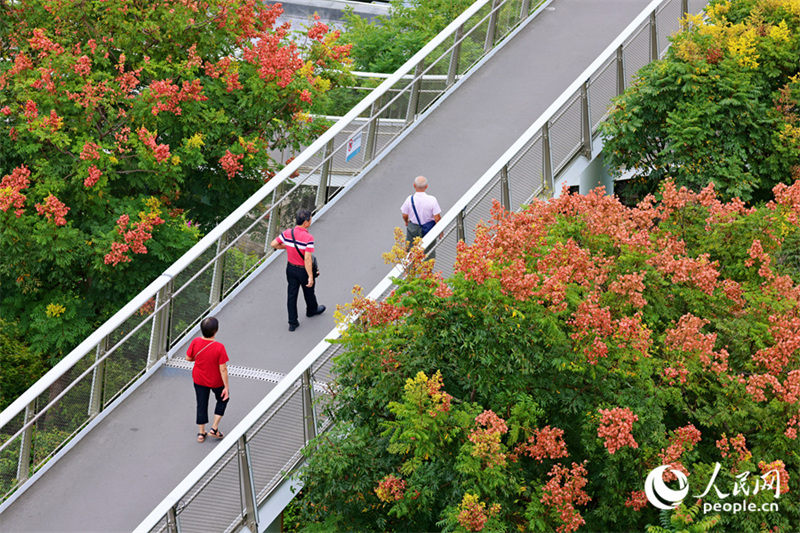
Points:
[[274, 225], [505, 193], [620, 72], [372, 132], [26, 440], [491, 30], [547, 160], [159, 334], [653, 37], [460, 233], [249, 503], [215, 296], [98, 379], [173, 525], [525, 10], [586, 123], [325, 175], [413, 99], [452, 70], [309, 416]]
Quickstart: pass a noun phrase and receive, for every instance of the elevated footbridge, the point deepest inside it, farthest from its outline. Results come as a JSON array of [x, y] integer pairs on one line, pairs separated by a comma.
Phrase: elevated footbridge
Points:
[[105, 441]]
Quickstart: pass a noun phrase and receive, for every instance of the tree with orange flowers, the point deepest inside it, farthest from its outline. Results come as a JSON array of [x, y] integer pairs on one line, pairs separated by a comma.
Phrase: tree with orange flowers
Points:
[[579, 345], [126, 125]]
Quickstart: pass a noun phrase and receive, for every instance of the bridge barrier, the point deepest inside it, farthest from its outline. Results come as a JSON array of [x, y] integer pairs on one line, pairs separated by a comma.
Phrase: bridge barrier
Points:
[[525, 172], [51, 414]]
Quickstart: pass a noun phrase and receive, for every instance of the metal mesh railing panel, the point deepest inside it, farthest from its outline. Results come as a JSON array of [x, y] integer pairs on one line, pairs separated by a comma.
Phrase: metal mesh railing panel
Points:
[[636, 51], [525, 175], [668, 16], [216, 503], [565, 133], [9, 455], [276, 441], [602, 89], [126, 362], [65, 416], [479, 210], [444, 250], [190, 302]]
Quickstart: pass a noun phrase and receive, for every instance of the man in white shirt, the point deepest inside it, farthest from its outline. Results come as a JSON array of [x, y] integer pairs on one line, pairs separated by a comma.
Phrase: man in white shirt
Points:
[[422, 213]]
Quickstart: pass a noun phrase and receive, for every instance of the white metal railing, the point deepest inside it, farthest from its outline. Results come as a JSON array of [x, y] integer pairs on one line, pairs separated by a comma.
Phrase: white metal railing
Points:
[[88, 380], [526, 171]]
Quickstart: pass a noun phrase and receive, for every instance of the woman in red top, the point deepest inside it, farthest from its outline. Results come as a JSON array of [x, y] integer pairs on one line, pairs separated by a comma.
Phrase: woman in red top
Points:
[[210, 373]]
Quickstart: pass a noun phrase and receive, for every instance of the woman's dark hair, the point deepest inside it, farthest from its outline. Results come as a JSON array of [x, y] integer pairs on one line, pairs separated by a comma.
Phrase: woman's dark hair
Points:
[[209, 326], [302, 216]]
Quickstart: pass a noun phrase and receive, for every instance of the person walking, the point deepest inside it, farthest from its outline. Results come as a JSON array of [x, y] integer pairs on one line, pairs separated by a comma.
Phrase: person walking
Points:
[[210, 373], [299, 246], [420, 211]]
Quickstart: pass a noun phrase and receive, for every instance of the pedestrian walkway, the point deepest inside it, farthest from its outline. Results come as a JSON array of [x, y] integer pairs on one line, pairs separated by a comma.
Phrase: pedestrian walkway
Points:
[[116, 475]]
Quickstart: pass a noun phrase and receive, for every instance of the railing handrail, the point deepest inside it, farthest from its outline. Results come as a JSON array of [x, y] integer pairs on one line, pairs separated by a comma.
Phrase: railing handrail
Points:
[[210, 239], [197, 474]]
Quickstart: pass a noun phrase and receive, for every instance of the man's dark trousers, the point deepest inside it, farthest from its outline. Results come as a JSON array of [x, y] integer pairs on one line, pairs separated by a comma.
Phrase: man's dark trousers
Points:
[[298, 277]]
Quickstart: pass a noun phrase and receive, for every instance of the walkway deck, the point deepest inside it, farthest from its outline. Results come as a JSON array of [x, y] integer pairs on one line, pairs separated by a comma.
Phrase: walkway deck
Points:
[[116, 475]]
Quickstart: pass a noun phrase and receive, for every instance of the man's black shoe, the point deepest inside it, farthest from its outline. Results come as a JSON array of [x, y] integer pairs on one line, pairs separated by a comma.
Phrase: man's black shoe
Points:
[[292, 328], [319, 311]]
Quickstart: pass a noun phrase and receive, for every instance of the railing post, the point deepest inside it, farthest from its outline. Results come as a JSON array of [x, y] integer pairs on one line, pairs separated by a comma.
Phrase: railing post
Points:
[[413, 99], [159, 336], [620, 72], [26, 441], [274, 224], [547, 162], [505, 193], [452, 70], [684, 7], [586, 123], [215, 296], [525, 10], [309, 416], [653, 37], [98, 379], [173, 525], [491, 30], [250, 510], [461, 235], [374, 129], [325, 175]]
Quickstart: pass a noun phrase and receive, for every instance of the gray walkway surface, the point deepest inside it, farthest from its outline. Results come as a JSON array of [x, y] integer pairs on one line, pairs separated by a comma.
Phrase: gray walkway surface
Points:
[[115, 476]]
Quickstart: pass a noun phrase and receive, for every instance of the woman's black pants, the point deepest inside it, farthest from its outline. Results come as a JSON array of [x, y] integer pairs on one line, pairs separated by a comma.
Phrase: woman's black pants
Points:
[[202, 392]]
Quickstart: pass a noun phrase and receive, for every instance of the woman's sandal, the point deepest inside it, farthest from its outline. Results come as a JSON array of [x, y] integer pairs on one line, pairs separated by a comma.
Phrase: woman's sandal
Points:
[[216, 433], [201, 437]]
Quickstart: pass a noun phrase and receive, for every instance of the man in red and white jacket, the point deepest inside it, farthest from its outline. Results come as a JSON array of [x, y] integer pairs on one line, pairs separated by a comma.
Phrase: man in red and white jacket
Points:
[[299, 252]]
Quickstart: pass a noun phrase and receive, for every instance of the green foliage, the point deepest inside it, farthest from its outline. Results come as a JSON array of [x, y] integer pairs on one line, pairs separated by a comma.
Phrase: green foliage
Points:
[[21, 366], [720, 108], [126, 127], [579, 345], [684, 520], [385, 44]]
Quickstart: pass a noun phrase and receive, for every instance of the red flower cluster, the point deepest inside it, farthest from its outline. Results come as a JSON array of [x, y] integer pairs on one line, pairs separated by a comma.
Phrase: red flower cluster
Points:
[[168, 96], [94, 176], [776, 474], [90, 151], [487, 439], [739, 446], [390, 489], [160, 151], [683, 440], [134, 238], [53, 209], [10, 187], [545, 443], [686, 337], [472, 513], [563, 492], [230, 163], [637, 500], [616, 427]]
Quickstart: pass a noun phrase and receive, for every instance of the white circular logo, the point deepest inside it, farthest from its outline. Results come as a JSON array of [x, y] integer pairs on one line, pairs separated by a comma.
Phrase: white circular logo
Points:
[[657, 491]]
